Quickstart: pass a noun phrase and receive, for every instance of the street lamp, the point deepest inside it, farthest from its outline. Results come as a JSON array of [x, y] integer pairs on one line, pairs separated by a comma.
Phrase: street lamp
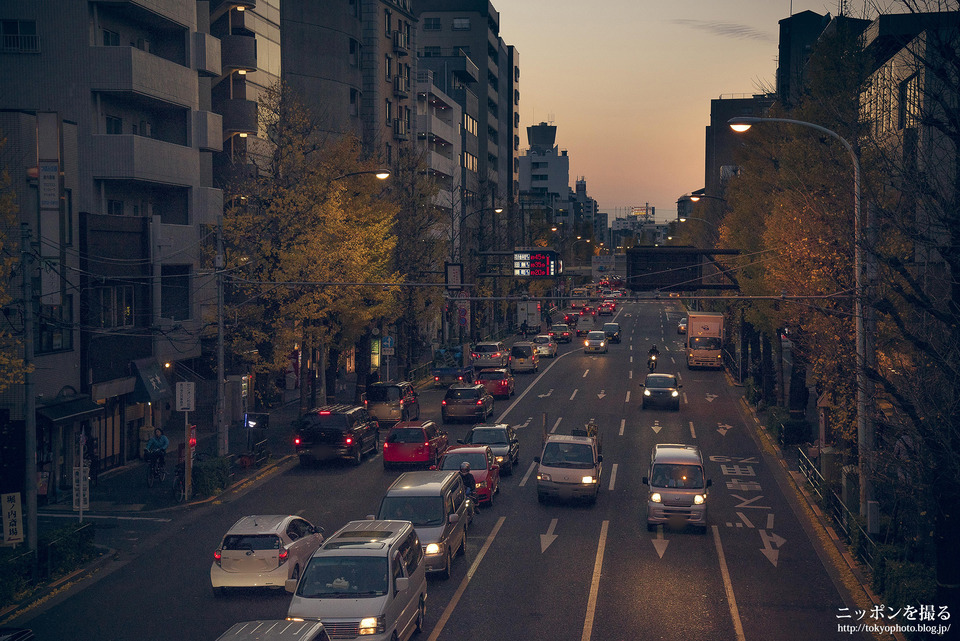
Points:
[[381, 174], [865, 436]]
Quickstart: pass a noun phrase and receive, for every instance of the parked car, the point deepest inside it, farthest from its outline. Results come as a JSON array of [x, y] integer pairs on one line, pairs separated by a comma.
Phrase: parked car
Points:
[[596, 343], [392, 402], [263, 550], [417, 443], [661, 390], [336, 432], [498, 381], [546, 346], [471, 402], [502, 440], [612, 332], [682, 326], [561, 333], [483, 466], [489, 354], [524, 357]]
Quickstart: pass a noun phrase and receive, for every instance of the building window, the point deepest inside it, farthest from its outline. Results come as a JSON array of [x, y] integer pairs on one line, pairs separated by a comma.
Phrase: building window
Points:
[[115, 207], [388, 112], [112, 307], [388, 148], [388, 67], [469, 124], [54, 327], [909, 111], [19, 35], [354, 53], [111, 38], [432, 52], [355, 8], [354, 102], [469, 161], [431, 24], [461, 24], [387, 21], [175, 292], [114, 125]]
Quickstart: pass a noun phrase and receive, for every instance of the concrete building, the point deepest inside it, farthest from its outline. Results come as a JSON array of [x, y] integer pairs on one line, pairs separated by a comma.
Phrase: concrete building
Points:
[[545, 176], [110, 145]]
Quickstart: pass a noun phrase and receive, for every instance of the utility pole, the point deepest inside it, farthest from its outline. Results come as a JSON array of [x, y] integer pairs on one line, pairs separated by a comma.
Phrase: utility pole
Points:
[[223, 434], [30, 398]]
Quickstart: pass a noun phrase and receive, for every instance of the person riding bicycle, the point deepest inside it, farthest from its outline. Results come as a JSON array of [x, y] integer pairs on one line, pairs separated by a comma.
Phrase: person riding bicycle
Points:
[[469, 484], [156, 448]]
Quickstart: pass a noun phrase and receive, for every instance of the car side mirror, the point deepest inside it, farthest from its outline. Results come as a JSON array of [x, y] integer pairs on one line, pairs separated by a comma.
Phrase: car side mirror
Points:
[[709, 483], [536, 459], [401, 583], [599, 458], [371, 517], [290, 585], [645, 481], [460, 441], [453, 518]]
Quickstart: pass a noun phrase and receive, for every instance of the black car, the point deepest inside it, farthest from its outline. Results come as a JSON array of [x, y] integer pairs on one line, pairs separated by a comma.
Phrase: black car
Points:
[[336, 432], [662, 390], [612, 332], [502, 440]]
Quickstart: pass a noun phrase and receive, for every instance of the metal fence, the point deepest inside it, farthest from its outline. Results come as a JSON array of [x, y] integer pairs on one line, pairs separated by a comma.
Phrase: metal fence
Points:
[[21, 573], [845, 520]]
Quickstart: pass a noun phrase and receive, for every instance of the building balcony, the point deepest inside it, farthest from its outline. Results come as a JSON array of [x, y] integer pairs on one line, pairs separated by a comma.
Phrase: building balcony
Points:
[[180, 12], [206, 204], [138, 73], [436, 130], [238, 53], [401, 87], [206, 54], [400, 129], [239, 117], [401, 43], [131, 157], [208, 130]]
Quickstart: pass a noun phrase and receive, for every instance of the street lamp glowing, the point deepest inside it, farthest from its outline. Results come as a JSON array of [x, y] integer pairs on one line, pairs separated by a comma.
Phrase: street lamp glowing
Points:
[[694, 198], [498, 210], [383, 174], [741, 124]]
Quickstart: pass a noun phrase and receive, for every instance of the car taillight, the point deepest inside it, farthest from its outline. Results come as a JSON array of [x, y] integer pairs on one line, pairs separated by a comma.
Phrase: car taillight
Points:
[[284, 554], [348, 440], [385, 445], [401, 403], [296, 440], [479, 401], [366, 403], [426, 444], [217, 555]]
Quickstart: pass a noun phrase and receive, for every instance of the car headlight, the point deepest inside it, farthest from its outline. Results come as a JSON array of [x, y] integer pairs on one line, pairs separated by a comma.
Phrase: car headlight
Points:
[[482, 484], [586, 343], [602, 343], [432, 548], [699, 499], [372, 625], [499, 460], [544, 477], [655, 497], [588, 480], [646, 392], [674, 393]]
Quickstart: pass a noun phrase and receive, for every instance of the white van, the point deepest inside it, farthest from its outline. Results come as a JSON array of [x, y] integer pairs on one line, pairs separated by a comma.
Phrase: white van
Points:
[[368, 580], [267, 630], [678, 487]]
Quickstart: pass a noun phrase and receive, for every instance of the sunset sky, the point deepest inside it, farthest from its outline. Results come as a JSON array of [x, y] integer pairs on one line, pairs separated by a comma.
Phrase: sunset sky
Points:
[[628, 83]]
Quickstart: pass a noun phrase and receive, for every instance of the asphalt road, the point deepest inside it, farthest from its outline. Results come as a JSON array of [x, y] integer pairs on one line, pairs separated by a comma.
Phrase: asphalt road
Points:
[[532, 571]]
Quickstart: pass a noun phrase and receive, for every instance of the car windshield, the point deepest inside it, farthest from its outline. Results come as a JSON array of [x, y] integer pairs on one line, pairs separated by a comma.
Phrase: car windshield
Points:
[[488, 437], [486, 349], [251, 542], [491, 376], [320, 419], [344, 577], [462, 394], [452, 461], [520, 352], [405, 435], [611, 328], [660, 382], [542, 340], [422, 511], [383, 394], [688, 477], [704, 342], [560, 328], [576, 455], [596, 336]]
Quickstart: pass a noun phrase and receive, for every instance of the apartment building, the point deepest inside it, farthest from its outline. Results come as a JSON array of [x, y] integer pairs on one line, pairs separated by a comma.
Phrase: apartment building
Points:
[[110, 145]]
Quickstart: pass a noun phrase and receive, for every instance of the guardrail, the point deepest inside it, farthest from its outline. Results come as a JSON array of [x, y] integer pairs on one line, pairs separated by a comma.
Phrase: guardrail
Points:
[[845, 520]]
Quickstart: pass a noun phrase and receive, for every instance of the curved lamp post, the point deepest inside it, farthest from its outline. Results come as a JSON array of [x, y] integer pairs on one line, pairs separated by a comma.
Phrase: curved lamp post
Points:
[[865, 436]]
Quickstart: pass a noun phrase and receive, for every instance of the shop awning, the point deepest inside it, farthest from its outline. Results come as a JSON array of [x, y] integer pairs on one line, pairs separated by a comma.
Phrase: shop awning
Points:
[[116, 387], [69, 409], [152, 385]]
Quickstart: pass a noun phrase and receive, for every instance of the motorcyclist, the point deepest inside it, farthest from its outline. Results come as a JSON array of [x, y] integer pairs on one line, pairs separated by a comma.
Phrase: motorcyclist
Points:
[[653, 351], [470, 484], [652, 357], [156, 448]]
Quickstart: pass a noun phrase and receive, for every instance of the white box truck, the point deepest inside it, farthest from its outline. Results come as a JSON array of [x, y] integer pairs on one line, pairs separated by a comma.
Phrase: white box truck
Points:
[[704, 340], [529, 316]]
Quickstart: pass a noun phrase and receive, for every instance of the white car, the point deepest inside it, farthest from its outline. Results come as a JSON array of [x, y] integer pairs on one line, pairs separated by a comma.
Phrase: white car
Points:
[[596, 342], [546, 346], [264, 550]]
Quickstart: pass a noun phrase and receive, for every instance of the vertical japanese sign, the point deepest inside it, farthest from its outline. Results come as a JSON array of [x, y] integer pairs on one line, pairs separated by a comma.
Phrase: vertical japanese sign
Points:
[[12, 518], [50, 189]]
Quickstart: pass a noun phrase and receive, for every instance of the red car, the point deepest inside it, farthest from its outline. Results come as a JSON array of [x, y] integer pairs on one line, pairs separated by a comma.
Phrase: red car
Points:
[[414, 443], [499, 382], [482, 465]]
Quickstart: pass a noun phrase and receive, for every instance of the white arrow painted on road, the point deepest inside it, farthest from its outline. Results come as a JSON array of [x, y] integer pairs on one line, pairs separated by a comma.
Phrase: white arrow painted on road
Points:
[[657, 427], [773, 555], [722, 428], [602, 393], [660, 543], [523, 425], [711, 397], [549, 537], [545, 395]]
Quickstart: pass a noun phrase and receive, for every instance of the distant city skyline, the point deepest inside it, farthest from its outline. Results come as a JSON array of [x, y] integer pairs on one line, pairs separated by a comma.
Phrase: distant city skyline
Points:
[[629, 83]]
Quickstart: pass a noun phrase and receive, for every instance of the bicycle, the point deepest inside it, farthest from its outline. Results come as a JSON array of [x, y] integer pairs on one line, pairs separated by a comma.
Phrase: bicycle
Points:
[[156, 470], [179, 481]]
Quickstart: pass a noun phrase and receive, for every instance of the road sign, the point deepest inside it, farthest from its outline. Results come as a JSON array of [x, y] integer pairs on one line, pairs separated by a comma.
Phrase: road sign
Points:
[[388, 351], [185, 396], [387, 342], [81, 488]]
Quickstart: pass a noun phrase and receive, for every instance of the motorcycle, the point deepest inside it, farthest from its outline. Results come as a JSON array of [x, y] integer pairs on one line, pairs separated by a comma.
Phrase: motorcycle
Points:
[[652, 363]]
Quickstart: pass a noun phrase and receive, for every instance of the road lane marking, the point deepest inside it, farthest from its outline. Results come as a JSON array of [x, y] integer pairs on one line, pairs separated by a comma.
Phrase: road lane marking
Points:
[[770, 521], [631, 360], [613, 477], [660, 544], [526, 476], [628, 395], [437, 629], [549, 537], [728, 586], [556, 425], [631, 375], [623, 423], [585, 373], [594, 585], [692, 433]]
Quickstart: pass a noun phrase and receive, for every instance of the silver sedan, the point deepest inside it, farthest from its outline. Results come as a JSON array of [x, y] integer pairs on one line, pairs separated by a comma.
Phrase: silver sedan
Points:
[[545, 345]]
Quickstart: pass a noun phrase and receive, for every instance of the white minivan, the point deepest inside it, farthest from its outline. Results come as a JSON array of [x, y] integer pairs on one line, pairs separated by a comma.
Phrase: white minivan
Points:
[[367, 580], [677, 487]]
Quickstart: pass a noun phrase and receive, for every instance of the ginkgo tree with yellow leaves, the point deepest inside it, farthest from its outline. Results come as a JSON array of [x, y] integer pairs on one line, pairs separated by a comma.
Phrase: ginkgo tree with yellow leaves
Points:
[[11, 341]]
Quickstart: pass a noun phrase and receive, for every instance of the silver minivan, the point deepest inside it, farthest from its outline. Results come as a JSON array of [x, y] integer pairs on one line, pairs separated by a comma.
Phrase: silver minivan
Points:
[[436, 503], [367, 580], [677, 487]]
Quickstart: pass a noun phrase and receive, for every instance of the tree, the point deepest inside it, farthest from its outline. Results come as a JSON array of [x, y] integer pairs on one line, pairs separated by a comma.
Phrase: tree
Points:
[[11, 340]]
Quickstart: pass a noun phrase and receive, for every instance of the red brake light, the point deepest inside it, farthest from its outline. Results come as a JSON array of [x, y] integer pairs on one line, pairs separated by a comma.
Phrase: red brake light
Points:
[[296, 440], [217, 555], [443, 402], [325, 413], [426, 444], [480, 401], [348, 440], [385, 445], [282, 557]]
